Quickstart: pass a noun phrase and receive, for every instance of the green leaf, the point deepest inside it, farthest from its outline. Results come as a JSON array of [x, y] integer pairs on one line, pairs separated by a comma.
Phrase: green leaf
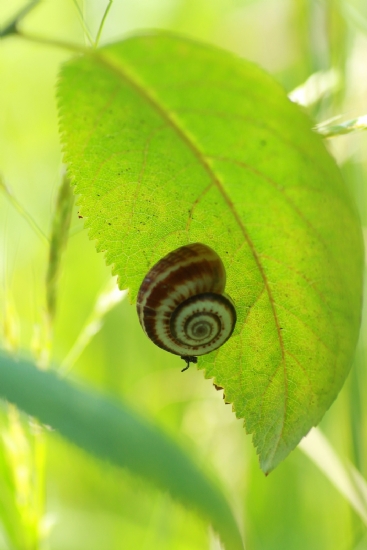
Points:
[[111, 431], [169, 142]]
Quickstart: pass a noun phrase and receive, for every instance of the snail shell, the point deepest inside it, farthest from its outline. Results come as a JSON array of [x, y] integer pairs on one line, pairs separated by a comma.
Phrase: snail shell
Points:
[[181, 302]]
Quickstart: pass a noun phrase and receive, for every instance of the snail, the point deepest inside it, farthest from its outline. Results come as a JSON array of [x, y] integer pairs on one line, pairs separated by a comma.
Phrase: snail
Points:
[[181, 303]]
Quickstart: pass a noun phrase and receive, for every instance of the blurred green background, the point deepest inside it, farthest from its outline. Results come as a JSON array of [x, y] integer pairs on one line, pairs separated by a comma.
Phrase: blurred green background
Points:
[[53, 495]]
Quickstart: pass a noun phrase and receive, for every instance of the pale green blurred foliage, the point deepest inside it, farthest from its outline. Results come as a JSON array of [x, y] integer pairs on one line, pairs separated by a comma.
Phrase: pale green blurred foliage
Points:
[[93, 504]]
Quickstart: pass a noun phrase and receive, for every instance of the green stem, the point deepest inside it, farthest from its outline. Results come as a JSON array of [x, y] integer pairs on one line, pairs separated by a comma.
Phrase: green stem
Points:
[[12, 27], [58, 240], [23, 212], [82, 21], [106, 300], [102, 23], [76, 48]]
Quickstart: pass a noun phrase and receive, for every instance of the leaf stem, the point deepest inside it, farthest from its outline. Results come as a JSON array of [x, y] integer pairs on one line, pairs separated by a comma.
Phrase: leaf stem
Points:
[[12, 27], [77, 48]]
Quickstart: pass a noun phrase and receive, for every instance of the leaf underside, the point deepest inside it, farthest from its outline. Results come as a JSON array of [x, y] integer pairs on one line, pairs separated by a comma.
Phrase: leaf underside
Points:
[[169, 142]]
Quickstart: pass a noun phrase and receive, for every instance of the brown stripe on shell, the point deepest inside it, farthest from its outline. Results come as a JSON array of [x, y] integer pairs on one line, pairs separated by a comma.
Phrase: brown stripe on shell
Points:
[[188, 271], [195, 262]]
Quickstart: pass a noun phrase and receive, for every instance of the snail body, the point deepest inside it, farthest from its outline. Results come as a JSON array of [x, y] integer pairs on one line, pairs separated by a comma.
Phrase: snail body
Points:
[[181, 302]]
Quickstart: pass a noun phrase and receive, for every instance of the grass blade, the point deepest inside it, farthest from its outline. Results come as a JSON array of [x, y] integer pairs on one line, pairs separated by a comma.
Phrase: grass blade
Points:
[[346, 480], [113, 432]]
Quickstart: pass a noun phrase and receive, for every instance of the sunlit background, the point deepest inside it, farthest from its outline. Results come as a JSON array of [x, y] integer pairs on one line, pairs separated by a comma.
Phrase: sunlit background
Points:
[[53, 495]]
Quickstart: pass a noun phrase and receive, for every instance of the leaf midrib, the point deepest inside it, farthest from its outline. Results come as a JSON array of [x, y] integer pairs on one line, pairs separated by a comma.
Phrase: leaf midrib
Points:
[[124, 73]]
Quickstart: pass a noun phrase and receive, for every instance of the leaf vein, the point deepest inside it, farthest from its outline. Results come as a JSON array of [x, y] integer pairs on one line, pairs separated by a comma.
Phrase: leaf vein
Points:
[[127, 76]]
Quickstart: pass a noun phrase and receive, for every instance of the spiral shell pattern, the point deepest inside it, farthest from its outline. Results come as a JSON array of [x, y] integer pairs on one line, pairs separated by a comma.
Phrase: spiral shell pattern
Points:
[[181, 302]]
